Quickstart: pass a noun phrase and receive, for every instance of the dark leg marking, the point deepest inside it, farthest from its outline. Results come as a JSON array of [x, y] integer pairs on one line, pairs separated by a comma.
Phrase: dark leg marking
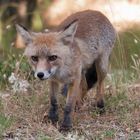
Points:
[[53, 112], [67, 124], [64, 90], [100, 104]]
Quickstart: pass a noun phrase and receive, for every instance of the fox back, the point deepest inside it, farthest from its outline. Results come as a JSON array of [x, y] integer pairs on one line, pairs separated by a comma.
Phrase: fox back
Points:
[[96, 32], [93, 27]]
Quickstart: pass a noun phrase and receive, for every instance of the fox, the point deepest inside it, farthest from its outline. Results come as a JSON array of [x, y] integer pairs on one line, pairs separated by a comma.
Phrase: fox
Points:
[[74, 54]]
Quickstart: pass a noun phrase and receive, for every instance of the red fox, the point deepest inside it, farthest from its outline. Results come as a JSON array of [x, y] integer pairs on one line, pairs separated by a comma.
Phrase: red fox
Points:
[[75, 53]]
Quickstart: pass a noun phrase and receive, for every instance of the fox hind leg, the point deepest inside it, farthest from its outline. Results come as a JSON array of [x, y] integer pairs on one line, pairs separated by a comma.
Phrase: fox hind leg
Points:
[[88, 80], [82, 93], [101, 67]]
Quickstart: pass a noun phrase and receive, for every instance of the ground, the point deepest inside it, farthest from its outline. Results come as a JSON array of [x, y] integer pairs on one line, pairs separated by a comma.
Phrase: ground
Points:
[[24, 115]]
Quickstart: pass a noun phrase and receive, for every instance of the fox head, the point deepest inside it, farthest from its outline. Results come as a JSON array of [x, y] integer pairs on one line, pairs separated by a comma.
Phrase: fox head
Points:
[[48, 51]]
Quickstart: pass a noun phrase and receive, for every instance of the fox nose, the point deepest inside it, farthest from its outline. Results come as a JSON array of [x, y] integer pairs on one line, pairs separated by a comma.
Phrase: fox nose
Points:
[[40, 75]]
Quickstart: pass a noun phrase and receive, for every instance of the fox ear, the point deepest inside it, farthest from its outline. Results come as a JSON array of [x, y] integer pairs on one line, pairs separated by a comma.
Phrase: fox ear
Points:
[[25, 34], [67, 35]]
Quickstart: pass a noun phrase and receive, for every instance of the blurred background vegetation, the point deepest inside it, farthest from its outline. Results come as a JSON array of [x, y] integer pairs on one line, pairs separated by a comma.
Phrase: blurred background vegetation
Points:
[[27, 13], [38, 15]]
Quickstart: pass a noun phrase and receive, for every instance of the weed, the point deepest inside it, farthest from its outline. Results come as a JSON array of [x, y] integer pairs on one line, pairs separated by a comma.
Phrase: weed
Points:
[[5, 122], [109, 133], [44, 137], [13, 63]]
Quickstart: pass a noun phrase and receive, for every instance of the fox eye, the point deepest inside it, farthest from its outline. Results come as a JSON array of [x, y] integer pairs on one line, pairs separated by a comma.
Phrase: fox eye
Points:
[[52, 57], [34, 58]]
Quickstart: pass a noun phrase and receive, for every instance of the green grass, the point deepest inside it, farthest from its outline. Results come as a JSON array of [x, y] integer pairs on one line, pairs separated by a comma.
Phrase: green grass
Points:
[[5, 122], [127, 44], [44, 137], [109, 133]]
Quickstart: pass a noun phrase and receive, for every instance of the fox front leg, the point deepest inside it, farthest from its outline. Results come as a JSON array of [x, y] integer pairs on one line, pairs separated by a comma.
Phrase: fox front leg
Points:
[[64, 90], [73, 92], [53, 111], [70, 104]]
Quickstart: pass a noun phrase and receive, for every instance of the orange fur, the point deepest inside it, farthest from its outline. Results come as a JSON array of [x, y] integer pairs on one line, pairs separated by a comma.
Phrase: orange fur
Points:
[[48, 40]]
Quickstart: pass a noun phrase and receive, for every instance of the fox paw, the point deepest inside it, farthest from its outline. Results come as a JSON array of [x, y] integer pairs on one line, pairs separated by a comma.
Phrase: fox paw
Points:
[[100, 104], [65, 127]]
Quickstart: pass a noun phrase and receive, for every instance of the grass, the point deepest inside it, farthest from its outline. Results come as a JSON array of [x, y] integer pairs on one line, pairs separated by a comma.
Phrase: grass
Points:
[[22, 113], [5, 122], [127, 43], [28, 109], [109, 133]]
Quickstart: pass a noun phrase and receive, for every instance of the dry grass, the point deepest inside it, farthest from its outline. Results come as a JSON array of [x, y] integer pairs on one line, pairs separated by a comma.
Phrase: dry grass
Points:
[[27, 111]]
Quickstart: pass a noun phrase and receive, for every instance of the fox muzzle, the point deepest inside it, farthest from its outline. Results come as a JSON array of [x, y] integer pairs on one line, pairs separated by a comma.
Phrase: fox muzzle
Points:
[[45, 74]]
